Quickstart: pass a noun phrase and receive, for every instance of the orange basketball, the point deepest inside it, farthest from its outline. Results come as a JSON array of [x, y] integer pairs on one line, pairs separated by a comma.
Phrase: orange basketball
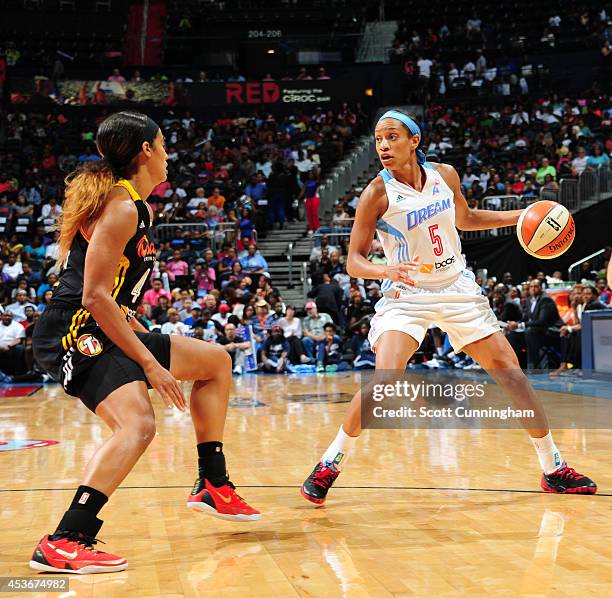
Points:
[[546, 229]]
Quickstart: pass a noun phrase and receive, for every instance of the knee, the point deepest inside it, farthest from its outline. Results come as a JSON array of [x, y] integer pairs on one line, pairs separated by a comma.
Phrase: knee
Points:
[[144, 430], [222, 362], [507, 361]]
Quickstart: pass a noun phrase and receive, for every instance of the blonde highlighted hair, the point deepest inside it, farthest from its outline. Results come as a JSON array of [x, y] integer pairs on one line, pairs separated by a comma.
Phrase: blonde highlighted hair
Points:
[[119, 139], [86, 191]]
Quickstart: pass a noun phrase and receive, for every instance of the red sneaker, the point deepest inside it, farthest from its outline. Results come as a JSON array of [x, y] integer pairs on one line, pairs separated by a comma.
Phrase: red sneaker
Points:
[[222, 502], [74, 553], [566, 480]]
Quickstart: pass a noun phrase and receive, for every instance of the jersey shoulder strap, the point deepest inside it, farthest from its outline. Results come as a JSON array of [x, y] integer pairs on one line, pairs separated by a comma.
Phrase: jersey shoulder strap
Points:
[[129, 188], [385, 175]]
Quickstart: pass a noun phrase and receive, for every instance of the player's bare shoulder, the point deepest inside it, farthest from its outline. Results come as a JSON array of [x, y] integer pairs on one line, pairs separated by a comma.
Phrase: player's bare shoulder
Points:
[[447, 172], [120, 206], [119, 213]]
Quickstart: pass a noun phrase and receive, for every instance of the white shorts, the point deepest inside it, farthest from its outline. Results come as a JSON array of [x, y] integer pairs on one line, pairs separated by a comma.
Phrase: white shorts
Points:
[[460, 310]]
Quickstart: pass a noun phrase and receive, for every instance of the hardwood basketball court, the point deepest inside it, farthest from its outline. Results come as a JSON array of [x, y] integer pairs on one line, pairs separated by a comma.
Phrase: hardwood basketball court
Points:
[[415, 513]]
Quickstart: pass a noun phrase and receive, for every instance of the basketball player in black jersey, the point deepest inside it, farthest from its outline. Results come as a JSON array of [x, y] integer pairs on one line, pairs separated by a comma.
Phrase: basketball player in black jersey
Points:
[[89, 340]]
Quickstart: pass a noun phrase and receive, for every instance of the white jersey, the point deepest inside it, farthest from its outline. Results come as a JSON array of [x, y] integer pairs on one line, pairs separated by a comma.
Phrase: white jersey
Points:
[[420, 224]]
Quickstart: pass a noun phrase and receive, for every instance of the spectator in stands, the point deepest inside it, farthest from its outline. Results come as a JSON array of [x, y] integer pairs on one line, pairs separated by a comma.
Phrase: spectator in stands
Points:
[[278, 194], [310, 194], [329, 300], [599, 158], [276, 316], [159, 313], [365, 358], [317, 250], [579, 163], [13, 269], [12, 346], [312, 327], [275, 351], [538, 328], [571, 342], [550, 184], [221, 318], [329, 351], [292, 328], [18, 307], [35, 252], [156, 291], [216, 199], [177, 266], [259, 321], [235, 345], [88, 155], [303, 75], [51, 210], [253, 262], [116, 76], [605, 294], [174, 324], [45, 300], [545, 169], [195, 202]]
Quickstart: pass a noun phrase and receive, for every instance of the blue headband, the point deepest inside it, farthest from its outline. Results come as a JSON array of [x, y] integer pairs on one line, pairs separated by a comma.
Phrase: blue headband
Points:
[[410, 125]]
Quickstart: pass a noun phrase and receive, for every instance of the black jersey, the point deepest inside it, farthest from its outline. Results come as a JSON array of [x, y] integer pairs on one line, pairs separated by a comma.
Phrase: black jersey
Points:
[[132, 274]]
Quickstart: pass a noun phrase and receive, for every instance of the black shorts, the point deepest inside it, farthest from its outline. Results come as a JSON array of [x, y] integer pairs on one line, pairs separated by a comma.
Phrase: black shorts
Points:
[[91, 378]]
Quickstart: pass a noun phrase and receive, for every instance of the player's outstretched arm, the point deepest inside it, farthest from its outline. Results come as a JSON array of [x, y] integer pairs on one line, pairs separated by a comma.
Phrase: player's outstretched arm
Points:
[[372, 205], [467, 218]]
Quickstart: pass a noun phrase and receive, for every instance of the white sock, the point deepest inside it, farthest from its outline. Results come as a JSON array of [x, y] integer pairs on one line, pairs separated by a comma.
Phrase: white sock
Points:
[[337, 452], [548, 454], [440, 351]]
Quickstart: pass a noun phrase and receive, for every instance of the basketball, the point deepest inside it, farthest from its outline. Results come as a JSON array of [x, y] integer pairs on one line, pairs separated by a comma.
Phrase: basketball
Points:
[[546, 230]]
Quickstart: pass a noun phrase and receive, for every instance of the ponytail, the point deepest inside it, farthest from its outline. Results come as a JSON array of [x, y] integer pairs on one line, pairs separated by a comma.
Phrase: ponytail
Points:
[[86, 191]]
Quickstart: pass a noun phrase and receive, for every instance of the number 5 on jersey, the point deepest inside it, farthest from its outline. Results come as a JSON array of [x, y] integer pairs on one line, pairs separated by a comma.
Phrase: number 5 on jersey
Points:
[[436, 240]]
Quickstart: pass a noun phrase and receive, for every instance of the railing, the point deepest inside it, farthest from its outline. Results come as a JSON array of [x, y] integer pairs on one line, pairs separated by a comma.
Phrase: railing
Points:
[[573, 193], [591, 185], [498, 203], [223, 232], [290, 246], [333, 236], [345, 174], [570, 270], [305, 280]]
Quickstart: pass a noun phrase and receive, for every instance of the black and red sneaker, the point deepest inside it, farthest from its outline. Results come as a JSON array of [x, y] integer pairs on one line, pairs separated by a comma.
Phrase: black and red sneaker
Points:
[[566, 480], [318, 483], [74, 552], [222, 502]]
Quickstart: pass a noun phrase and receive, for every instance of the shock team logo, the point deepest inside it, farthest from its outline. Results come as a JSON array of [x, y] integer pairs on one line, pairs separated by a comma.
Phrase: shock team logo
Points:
[[89, 345], [146, 249], [17, 445]]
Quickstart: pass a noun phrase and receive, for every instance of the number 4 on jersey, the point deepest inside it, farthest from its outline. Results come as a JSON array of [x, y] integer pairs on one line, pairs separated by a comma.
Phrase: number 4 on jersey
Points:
[[138, 286]]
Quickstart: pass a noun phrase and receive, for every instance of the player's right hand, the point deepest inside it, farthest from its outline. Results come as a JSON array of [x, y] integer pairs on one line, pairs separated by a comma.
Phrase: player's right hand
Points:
[[403, 272], [167, 386]]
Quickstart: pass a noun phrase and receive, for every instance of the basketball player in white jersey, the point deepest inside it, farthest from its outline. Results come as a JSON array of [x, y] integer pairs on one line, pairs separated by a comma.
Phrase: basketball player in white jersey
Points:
[[416, 208]]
